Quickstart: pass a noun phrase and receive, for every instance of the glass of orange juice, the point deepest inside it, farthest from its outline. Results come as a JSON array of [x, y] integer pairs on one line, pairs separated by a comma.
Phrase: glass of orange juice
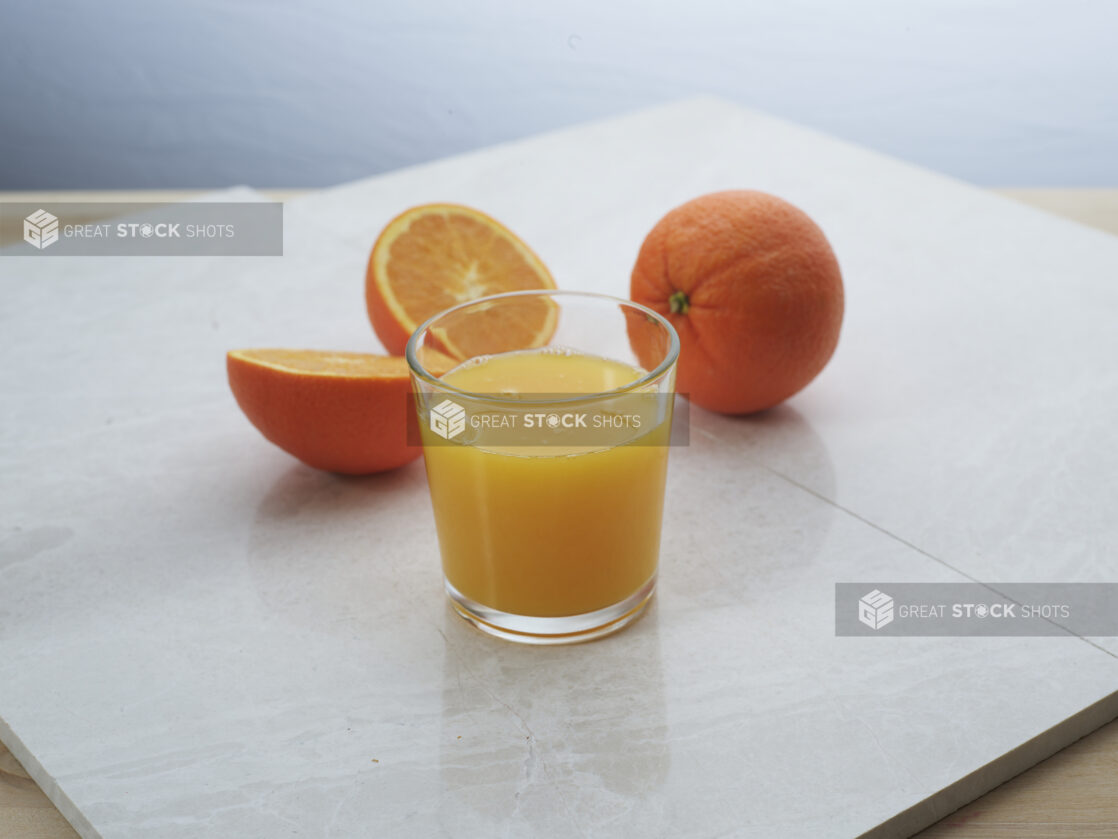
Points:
[[546, 448]]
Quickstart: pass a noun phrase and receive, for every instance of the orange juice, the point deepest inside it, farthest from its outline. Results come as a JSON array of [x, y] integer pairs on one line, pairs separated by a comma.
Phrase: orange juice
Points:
[[548, 530]]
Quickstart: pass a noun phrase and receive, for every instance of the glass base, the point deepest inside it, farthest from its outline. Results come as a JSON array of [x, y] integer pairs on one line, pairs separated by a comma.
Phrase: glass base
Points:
[[569, 629]]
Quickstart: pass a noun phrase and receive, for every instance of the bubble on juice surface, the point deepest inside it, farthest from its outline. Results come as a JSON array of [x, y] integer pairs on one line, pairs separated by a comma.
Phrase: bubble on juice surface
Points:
[[468, 363]]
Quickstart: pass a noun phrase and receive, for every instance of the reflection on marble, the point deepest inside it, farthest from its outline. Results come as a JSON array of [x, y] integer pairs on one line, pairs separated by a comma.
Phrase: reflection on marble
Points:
[[585, 742], [200, 637]]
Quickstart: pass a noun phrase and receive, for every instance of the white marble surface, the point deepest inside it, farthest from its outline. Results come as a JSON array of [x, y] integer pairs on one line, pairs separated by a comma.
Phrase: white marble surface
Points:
[[200, 637]]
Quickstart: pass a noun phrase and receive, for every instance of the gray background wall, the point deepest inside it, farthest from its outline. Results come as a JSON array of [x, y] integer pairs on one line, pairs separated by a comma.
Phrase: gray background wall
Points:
[[207, 93]]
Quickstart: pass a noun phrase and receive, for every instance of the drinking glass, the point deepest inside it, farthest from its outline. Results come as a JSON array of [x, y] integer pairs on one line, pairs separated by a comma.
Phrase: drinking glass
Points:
[[546, 450]]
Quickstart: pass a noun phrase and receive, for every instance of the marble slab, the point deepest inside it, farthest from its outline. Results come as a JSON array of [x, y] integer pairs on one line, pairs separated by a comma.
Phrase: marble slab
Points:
[[201, 637]]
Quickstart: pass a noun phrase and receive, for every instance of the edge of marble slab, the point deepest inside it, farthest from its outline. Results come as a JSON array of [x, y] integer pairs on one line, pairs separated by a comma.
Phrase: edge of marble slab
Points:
[[904, 824], [47, 784], [995, 773]]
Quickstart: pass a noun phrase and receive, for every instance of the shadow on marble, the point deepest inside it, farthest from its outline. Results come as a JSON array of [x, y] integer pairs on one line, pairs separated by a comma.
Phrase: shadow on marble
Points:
[[344, 555], [782, 433], [763, 530]]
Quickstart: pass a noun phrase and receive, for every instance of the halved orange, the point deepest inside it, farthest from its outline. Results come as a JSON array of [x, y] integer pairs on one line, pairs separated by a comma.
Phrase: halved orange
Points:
[[434, 256], [339, 411]]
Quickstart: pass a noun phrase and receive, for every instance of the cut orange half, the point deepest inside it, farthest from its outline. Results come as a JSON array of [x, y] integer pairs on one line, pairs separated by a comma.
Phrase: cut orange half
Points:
[[338, 411], [435, 256]]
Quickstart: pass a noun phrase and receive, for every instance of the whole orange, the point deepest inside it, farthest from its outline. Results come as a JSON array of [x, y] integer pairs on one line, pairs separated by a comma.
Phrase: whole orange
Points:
[[754, 290]]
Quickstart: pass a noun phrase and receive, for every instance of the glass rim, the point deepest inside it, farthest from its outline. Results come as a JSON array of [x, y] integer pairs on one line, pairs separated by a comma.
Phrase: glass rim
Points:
[[421, 372]]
